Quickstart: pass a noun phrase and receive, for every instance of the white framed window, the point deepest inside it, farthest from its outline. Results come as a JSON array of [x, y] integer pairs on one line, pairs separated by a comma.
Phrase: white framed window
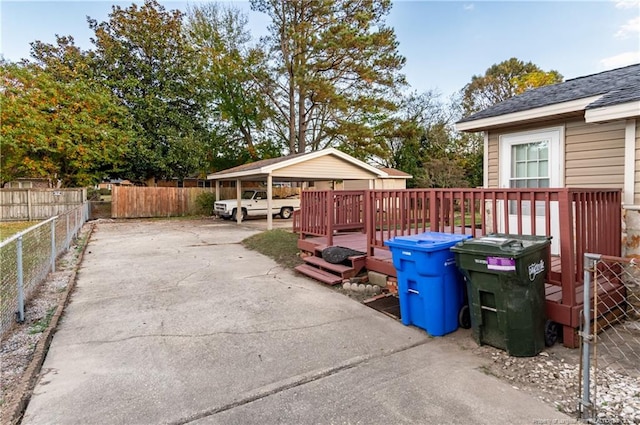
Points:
[[531, 159]]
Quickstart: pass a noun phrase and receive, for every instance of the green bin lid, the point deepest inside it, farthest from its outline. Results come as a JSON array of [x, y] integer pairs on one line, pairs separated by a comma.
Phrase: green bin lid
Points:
[[502, 245]]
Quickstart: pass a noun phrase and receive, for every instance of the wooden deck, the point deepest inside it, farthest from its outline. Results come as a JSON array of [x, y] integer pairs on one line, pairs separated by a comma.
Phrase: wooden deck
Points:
[[609, 294], [580, 220]]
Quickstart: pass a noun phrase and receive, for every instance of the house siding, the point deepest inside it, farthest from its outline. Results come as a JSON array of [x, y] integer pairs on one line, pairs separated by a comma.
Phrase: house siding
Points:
[[593, 153], [636, 197], [325, 167]]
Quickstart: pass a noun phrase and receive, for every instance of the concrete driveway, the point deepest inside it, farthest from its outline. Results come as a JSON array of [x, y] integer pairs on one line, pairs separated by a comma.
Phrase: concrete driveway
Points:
[[175, 322]]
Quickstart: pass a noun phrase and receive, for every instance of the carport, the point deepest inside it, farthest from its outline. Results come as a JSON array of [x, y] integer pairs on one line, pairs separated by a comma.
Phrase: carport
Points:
[[324, 165]]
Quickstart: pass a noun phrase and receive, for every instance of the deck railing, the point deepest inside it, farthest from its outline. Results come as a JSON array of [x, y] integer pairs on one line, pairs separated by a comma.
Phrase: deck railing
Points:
[[579, 220], [324, 212]]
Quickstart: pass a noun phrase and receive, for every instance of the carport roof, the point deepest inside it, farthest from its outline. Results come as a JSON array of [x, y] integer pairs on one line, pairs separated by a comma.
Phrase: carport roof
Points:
[[266, 167]]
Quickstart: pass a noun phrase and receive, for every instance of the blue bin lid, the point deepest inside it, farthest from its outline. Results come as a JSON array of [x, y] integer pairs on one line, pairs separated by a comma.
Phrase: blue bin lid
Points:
[[427, 241]]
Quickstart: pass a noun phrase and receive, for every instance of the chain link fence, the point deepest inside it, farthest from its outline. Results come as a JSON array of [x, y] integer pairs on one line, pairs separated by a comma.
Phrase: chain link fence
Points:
[[610, 367], [27, 258]]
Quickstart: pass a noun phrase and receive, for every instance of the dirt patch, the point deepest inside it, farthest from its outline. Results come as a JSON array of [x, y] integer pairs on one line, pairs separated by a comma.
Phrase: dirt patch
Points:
[[22, 341]]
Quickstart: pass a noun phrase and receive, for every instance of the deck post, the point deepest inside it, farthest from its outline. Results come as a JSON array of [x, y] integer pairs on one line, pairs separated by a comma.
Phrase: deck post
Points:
[[433, 210], [567, 251], [369, 226], [330, 210]]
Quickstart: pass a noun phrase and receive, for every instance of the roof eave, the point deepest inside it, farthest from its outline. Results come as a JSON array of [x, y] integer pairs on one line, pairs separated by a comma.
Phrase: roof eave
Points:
[[528, 115], [613, 112]]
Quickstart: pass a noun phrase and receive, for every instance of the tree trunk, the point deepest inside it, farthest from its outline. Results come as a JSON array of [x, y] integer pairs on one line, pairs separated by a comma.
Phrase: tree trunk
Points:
[[302, 121]]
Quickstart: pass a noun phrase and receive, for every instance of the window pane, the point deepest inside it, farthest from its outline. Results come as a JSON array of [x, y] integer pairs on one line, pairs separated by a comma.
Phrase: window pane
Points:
[[533, 183], [532, 169], [519, 152], [532, 154], [544, 182], [544, 150], [521, 169], [543, 169]]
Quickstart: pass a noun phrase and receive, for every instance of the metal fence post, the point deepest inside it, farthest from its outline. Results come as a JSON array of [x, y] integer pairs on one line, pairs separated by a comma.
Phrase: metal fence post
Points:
[[53, 245], [20, 312], [589, 268], [67, 239]]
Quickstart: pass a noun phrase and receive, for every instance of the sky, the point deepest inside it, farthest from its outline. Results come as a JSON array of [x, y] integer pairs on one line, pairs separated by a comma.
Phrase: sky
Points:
[[445, 43]]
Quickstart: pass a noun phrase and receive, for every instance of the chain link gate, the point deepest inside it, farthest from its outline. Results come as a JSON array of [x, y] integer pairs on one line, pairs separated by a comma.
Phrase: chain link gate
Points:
[[610, 366]]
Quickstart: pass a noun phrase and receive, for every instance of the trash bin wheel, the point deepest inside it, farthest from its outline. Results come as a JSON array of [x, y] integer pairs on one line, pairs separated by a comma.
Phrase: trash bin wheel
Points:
[[551, 332], [464, 317]]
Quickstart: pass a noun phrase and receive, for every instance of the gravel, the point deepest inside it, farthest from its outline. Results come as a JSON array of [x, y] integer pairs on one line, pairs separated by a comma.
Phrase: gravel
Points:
[[19, 343], [554, 377]]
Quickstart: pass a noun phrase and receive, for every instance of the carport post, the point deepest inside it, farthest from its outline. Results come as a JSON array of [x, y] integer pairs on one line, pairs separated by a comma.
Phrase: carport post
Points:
[[269, 201], [239, 201], [217, 190]]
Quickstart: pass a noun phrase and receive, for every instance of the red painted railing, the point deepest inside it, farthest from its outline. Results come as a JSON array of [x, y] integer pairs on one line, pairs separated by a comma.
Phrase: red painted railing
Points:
[[324, 212], [579, 220]]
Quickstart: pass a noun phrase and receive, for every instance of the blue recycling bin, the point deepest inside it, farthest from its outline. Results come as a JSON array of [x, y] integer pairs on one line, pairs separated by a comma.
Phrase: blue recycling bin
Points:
[[430, 287]]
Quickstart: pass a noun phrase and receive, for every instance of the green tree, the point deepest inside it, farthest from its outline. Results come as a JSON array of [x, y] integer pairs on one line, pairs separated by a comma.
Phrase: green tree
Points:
[[64, 60], [502, 81], [334, 73], [143, 56], [228, 75], [73, 131]]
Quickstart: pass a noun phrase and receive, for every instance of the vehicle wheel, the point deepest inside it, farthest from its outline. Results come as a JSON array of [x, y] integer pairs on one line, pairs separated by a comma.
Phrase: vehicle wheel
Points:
[[244, 214], [551, 333], [286, 213], [464, 317]]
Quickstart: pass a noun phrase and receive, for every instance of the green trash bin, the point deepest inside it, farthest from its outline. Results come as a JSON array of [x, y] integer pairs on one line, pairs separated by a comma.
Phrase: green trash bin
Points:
[[505, 277]]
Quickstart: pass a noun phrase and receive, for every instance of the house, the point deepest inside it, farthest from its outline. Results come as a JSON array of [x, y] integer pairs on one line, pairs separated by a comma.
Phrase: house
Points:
[[557, 161], [108, 184], [29, 183], [584, 132]]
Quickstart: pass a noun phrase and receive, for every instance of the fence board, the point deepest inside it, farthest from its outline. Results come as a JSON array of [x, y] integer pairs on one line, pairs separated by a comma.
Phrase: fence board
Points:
[[38, 204], [145, 202]]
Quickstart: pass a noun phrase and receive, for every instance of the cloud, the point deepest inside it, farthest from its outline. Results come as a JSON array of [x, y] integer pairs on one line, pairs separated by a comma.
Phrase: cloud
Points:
[[632, 26], [623, 59], [626, 4], [471, 6]]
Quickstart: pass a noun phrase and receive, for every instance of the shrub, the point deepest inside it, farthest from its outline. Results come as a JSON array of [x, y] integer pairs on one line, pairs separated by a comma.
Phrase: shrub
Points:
[[204, 203]]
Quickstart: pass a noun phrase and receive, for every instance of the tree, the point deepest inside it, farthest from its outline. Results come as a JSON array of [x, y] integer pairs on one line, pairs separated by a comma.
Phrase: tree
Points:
[[73, 131], [334, 73], [502, 81], [143, 56], [229, 70], [63, 61]]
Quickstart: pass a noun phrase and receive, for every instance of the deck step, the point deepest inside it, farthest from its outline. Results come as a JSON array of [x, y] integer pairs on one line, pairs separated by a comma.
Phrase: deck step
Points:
[[344, 271], [317, 274]]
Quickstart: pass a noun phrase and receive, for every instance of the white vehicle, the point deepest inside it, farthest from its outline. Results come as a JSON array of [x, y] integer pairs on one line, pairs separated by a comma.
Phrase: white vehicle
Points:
[[254, 203]]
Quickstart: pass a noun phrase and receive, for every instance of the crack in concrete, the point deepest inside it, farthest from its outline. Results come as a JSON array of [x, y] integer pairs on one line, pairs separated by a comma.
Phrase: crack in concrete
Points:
[[210, 334], [213, 244], [294, 382], [279, 269]]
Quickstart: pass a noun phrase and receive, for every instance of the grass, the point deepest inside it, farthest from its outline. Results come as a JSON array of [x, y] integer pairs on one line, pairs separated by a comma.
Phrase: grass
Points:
[[277, 244], [10, 228], [42, 324]]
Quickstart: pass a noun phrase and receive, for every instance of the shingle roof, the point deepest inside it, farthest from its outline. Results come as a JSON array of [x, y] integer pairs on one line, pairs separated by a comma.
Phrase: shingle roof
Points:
[[617, 85], [392, 172], [259, 164]]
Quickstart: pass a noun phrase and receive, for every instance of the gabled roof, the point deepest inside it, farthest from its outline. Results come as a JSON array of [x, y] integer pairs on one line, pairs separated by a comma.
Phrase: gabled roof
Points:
[[268, 166], [393, 173], [606, 89]]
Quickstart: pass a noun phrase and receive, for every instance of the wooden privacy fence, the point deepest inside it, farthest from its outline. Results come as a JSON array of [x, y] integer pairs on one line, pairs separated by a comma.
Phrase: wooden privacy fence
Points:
[[144, 202], [38, 204]]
